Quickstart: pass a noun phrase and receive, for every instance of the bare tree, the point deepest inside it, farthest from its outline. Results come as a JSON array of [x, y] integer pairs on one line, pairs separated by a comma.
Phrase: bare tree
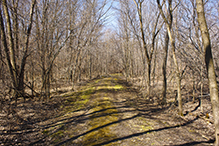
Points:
[[172, 40], [164, 67], [148, 54], [209, 65], [16, 70]]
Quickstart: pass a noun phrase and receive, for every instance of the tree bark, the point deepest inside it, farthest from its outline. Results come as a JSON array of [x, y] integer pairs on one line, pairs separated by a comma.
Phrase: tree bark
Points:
[[10, 48], [173, 47], [90, 66], [148, 54], [209, 65], [23, 63], [17, 76], [164, 90]]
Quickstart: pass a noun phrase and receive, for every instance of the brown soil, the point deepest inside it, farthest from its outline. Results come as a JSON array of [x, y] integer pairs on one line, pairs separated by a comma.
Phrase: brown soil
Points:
[[106, 111]]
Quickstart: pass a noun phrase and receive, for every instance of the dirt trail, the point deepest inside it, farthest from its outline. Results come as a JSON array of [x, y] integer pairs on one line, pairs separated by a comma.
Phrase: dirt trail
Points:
[[114, 114], [109, 111]]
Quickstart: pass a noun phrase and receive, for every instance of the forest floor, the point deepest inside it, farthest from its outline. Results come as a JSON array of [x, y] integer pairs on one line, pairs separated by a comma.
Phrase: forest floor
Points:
[[105, 111]]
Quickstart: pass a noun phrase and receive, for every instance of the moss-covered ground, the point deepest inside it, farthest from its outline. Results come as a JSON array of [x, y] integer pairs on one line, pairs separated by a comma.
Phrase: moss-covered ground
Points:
[[110, 111]]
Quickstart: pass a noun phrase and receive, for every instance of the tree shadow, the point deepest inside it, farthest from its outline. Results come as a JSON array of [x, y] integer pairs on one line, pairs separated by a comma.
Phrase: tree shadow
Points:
[[145, 132], [196, 107], [95, 129], [128, 136], [199, 104], [197, 142], [138, 107]]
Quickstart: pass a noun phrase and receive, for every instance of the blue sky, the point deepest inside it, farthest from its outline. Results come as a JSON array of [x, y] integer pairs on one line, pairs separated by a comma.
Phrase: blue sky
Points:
[[112, 21]]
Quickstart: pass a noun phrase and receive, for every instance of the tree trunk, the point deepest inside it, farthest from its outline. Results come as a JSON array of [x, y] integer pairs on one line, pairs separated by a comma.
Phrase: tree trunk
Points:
[[178, 77], [173, 47], [90, 66], [164, 90], [16, 75], [11, 51], [209, 65], [193, 86], [201, 100], [5, 45], [149, 78], [16, 27], [74, 68]]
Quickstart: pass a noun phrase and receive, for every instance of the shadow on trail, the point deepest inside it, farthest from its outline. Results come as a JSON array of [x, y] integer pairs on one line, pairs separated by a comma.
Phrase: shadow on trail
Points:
[[145, 132], [197, 142], [75, 137], [133, 135], [138, 107]]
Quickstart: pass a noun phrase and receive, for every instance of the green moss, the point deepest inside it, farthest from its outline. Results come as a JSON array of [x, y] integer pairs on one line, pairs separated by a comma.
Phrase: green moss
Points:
[[116, 74], [45, 132], [108, 79], [59, 133], [146, 128], [78, 100], [87, 91], [57, 140], [84, 96], [81, 102], [100, 119], [97, 81], [116, 87], [69, 94], [102, 115], [192, 131], [101, 87]]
